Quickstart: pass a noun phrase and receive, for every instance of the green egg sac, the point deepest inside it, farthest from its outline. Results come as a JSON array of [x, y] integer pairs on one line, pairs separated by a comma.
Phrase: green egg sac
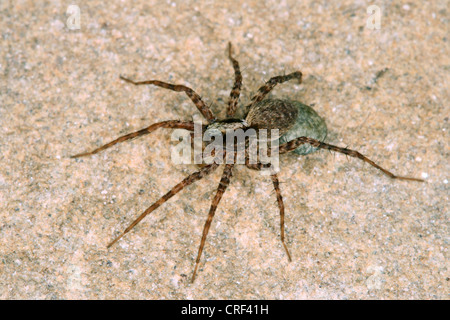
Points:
[[308, 124]]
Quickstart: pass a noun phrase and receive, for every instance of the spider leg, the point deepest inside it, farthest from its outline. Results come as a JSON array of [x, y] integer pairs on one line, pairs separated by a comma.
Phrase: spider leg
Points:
[[236, 91], [223, 184], [276, 185], [201, 106], [265, 89], [180, 186], [293, 144], [174, 124]]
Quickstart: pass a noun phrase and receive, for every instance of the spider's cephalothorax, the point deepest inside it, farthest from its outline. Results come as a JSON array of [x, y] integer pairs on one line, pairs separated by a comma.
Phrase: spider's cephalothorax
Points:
[[228, 124], [299, 126]]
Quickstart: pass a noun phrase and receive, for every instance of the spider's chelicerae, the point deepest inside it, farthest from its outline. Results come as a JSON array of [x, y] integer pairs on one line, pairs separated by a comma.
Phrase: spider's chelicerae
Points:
[[291, 118]]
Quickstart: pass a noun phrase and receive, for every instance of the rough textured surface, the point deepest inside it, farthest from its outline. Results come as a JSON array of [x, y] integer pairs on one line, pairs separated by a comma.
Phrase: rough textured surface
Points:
[[353, 233]]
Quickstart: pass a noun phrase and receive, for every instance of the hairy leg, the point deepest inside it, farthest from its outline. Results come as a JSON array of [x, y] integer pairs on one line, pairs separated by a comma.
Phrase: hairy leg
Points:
[[236, 91], [180, 186], [265, 89], [276, 185], [223, 184], [173, 124], [293, 144], [201, 106]]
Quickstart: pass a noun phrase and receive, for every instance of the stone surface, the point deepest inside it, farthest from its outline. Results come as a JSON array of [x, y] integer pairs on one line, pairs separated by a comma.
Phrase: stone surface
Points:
[[353, 233]]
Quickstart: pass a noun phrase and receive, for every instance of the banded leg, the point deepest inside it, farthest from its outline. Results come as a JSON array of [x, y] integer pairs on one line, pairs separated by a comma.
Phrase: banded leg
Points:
[[293, 144], [201, 106], [265, 89], [180, 186], [236, 91], [223, 184], [276, 185], [173, 124]]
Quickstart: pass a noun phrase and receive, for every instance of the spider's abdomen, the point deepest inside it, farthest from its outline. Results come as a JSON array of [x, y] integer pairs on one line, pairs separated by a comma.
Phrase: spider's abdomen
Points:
[[293, 119], [272, 114]]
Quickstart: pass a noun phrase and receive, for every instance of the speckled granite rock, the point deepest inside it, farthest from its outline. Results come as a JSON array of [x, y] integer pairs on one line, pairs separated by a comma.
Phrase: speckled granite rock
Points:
[[353, 233]]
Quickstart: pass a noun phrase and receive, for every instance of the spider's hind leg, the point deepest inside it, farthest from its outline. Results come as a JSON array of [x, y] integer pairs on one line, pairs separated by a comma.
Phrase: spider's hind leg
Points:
[[173, 124], [276, 185], [294, 144]]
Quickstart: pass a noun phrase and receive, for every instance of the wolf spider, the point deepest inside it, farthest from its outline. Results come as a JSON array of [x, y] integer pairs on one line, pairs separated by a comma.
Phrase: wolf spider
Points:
[[262, 114]]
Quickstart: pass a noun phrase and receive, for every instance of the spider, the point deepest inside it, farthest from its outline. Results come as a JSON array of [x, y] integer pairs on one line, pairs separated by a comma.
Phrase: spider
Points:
[[261, 114]]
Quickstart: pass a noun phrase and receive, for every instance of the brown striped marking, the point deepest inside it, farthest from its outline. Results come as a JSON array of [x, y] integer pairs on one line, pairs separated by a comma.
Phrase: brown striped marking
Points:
[[172, 124], [265, 89], [276, 185], [180, 186], [223, 184], [201, 106], [236, 91], [294, 144]]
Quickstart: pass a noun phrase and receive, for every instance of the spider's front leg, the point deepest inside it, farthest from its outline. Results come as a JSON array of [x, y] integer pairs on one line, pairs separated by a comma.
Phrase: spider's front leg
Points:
[[236, 91], [172, 124], [201, 106], [294, 144]]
